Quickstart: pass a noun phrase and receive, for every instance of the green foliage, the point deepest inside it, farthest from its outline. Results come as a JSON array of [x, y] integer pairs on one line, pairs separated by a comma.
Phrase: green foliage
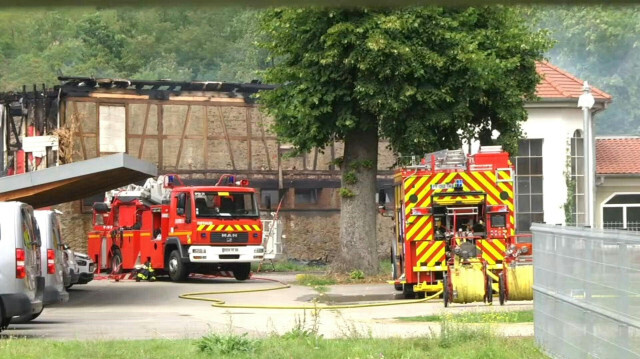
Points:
[[356, 274], [419, 74], [599, 44], [346, 193], [287, 266], [288, 346], [141, 43], [314, 280], [520, 316], [350, 177], [225, 344], [570, 205]]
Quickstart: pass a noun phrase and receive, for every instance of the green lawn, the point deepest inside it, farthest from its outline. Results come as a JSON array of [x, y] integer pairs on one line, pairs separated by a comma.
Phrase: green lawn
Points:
[[453, 343], [521, 316]]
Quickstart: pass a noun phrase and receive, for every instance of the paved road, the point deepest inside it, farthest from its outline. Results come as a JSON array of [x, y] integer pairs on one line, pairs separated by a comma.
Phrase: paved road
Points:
[[105, 309]]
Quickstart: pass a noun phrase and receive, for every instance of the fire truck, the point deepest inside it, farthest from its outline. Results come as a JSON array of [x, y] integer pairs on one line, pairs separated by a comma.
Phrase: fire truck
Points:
[[178, 229], [455, 229]]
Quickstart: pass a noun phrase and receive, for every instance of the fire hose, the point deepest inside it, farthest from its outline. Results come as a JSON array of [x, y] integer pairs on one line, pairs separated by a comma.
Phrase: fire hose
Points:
[[218, 303]]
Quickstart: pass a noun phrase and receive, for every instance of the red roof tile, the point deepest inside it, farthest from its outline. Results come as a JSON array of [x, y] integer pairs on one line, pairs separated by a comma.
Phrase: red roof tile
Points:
[[559, 84], [619, 155]]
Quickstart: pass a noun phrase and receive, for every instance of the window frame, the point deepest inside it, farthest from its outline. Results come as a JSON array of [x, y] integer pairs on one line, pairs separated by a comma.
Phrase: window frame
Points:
[[624, 207]]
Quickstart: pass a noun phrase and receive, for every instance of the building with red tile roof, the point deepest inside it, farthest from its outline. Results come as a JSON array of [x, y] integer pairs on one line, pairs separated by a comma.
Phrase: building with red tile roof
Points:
[[618, 155], [559, 84]]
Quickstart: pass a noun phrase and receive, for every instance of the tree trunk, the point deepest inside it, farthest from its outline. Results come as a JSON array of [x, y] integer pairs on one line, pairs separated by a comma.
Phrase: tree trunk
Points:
[[358, 213]]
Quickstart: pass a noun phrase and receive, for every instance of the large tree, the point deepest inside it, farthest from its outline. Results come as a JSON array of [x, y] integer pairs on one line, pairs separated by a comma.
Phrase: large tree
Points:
[[416, 76]]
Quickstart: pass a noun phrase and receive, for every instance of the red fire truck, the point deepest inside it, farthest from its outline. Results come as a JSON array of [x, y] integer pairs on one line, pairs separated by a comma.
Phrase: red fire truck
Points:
[[455, 228], [178, 229]]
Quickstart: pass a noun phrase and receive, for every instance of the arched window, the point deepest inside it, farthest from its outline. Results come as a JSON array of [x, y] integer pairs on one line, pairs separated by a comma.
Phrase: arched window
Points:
[[576, 182], [622, 211]]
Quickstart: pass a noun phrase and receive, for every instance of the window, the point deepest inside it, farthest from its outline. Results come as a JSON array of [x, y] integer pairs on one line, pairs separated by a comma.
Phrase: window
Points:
[[622, 211], [306, 195], [269, 198], [576, 182], [225, 204], [112, 129], [529, 201]]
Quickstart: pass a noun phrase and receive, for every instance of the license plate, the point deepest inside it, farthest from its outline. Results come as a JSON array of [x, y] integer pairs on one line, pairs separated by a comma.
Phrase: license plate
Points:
[[229, 250]]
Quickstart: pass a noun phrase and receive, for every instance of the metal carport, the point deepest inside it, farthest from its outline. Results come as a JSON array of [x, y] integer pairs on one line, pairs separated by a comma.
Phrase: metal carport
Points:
[[74, 181]]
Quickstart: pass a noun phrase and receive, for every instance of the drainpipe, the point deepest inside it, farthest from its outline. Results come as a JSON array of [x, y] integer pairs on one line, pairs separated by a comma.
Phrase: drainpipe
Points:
[[586, 102]]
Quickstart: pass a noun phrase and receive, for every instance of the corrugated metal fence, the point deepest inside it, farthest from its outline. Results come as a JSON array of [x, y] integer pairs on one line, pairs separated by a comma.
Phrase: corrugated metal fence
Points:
[[586, 292]]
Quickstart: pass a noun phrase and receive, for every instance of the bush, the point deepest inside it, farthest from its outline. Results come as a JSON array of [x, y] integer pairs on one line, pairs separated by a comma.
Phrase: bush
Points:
[[225, 344]]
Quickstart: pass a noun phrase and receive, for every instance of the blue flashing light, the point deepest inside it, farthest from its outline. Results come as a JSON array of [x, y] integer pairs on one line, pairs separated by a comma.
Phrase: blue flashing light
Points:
[[231, 179], [170, 179], [255, 235]]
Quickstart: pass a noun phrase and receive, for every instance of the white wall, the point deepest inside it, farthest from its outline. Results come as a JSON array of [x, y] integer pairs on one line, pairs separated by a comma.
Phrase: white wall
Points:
[[556, 126]]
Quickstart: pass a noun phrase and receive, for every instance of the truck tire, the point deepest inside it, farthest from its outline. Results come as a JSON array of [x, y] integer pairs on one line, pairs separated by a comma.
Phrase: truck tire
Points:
[[241, 271], [178, 271], [4, 322], [116, 262], [407, 291]]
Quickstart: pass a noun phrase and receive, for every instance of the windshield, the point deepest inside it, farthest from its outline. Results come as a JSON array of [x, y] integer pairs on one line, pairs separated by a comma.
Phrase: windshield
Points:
[[225, 204]]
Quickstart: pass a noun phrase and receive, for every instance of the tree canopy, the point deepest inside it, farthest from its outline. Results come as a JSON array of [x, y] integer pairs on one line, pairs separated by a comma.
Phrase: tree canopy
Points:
[[419, 77], [421, 74]]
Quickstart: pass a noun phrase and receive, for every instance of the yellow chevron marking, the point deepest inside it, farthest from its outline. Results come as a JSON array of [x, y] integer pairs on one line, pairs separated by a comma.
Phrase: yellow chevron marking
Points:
[[127, 235], [416, 226], [429, 252], [421, 247], [415, 188], [424, 233], [256, 227], [146, 234], [504, 175], [489, 248], [409, 181], [435, 180], [246, 227], [200, 227], [437, 257], [490, 187], [499, 244], [210, 227], [505, 188], [220, 227], [229, 228], [238, 227]]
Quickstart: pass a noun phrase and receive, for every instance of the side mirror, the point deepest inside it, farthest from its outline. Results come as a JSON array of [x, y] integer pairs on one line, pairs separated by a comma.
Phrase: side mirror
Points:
[[181, 202]]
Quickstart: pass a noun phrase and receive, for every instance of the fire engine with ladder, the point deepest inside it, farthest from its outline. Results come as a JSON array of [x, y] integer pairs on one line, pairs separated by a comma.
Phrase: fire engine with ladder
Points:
[[178, 229], [455, 229]]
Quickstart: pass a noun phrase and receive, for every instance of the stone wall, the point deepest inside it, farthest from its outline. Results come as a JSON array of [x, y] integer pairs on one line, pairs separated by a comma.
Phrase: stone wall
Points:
[[309, 235]]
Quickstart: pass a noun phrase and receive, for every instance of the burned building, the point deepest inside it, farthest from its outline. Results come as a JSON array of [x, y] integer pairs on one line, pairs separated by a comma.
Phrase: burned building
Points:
[[198, 130]]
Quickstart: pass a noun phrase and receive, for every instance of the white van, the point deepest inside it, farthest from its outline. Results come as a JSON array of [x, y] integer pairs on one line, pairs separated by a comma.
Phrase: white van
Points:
[[21, 282], [52, 262]]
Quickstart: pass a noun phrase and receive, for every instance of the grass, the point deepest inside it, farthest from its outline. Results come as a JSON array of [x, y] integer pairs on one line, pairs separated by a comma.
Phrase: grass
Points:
[[287, 266], [453, 342], [521, 316]]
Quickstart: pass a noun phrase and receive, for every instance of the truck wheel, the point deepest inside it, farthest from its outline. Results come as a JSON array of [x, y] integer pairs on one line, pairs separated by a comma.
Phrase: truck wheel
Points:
[[116, 262], [241, 271], [178, 271], [407, 291]]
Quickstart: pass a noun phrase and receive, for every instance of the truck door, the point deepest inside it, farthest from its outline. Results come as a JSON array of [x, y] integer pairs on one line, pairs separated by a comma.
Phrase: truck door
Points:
[[183, 217]]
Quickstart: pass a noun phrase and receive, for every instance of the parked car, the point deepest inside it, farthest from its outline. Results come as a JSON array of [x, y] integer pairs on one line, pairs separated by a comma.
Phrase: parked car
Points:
[[86, 267], [73, 272], [21, 281], [52, 263]]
